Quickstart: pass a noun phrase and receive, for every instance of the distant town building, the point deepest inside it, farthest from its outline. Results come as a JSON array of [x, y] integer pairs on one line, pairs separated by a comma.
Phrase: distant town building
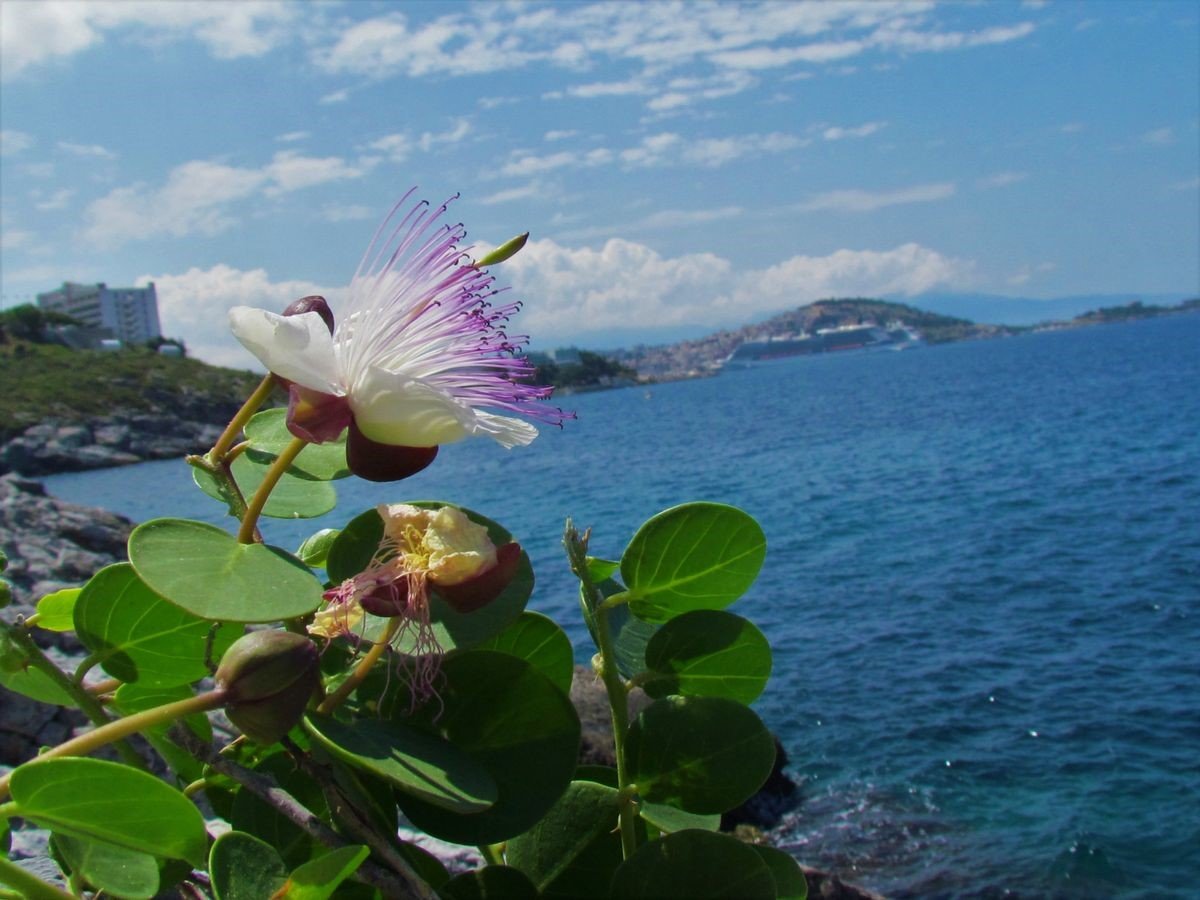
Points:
[[129, 315]]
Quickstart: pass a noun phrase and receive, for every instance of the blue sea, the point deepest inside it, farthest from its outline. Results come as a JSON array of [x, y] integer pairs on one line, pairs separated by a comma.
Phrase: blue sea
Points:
[[982, 588]]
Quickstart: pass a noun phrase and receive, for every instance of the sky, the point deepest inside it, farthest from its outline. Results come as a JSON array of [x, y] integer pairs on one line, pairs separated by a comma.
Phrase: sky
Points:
[[680, 166]]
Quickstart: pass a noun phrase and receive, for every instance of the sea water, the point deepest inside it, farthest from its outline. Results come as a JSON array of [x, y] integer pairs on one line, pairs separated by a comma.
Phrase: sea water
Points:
[[982, 588]]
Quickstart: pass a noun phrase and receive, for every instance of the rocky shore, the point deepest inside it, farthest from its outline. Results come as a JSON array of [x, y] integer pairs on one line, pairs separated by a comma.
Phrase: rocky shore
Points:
[[54, 446]]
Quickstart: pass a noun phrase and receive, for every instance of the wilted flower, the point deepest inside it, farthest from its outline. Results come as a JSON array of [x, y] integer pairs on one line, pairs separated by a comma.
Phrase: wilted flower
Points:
[[422, 551], [418, 356]]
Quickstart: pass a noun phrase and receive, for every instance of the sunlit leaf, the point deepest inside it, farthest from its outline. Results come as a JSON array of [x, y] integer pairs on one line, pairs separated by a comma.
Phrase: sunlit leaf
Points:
[[318, 878], [538, 640], [694, 556], [93, 799], [55, 612], [268, 435], [315, 549], [295, 496], [118, 870], [241, 867], [137, 636], [207, 572]]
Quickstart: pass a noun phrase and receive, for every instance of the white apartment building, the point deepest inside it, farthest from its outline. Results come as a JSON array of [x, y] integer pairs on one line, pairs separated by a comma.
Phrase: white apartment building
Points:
[[128, 314]]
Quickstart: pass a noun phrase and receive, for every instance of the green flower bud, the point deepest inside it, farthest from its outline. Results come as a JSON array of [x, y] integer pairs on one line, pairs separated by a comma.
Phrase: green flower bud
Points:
[[268, 678], [507, 250]]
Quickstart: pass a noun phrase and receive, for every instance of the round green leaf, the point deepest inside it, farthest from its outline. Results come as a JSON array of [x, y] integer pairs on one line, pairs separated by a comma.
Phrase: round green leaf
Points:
[[693, 865], [116, 870], [424, 765], [318, 878], [538, 640], [97, 800], [137, 636], [707, 653], [515, 723], [694, 556], [489, 883], [315, 548], [207, 572], [668, 818], [357, 544], [790, 883], [17, 675], [701, 754], [55, 612], [575, 848], [268, 435], [244, 868], [295, 496]]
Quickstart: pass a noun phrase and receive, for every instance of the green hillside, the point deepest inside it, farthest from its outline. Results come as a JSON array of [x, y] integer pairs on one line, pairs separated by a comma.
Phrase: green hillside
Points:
[[50, 381]]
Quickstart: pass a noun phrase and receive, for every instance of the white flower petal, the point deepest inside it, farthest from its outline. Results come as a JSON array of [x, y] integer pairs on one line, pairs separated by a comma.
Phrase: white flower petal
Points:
[[298, 348], [507, 431], [392, 408]]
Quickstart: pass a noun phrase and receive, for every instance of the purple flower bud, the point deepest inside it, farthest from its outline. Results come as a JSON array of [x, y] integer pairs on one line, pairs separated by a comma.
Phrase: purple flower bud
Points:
[[311, 303]]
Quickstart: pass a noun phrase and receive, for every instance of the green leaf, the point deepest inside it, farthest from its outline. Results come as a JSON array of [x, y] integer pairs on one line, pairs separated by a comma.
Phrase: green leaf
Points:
[[701, 754], [630, 635], [244, 868], [55, 611], [694, 556], [315, 549], [601, 569], [489, 883], [669, 818], [110, 868], [137, 636], [516, 724], [538, 640], [424, 765], [207, 572], [790, 883], [694, 865], [133, 698], [575, 848], [97, 800], [268, 435], [357, 544], [707, 653], [317, 879], [17, 675], [296, 495]]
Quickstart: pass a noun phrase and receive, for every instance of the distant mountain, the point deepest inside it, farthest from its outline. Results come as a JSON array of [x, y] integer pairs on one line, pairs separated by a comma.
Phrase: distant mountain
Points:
[[996, 309]]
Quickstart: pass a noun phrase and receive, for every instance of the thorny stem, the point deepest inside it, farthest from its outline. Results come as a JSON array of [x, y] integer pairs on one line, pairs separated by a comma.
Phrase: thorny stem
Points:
[[90, 706], [124, 727], [594, 609], [246, 534], [361, 671]]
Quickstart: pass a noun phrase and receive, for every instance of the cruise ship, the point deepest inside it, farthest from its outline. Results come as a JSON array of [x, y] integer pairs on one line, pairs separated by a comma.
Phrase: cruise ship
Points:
[[863, 336]]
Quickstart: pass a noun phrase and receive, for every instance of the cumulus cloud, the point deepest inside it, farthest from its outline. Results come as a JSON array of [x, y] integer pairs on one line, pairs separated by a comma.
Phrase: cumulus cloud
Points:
[[36, 33], [569, 292], [14, 142], [193, 305]]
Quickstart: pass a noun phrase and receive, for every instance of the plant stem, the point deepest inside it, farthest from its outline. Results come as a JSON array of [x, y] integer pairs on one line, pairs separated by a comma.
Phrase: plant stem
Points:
[[123, 727], [361, 671], [90, 706], [618, 693], [254, 509], [29, 885], [238, 422]]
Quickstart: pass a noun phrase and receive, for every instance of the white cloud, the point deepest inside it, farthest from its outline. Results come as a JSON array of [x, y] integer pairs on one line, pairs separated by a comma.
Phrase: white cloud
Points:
[[868, 201], [1159, 137], [524, 192], [559, 135], [568, 292], [652, 151], [87, 150], [524, 164], [35, 33], [14, 142], [339, 96], [713, 152], [430, 140], [15, 239], [1001, 179], [193, 306], [198, 196], [57, 200], [293, 136], [837, 133], [396, 147]]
